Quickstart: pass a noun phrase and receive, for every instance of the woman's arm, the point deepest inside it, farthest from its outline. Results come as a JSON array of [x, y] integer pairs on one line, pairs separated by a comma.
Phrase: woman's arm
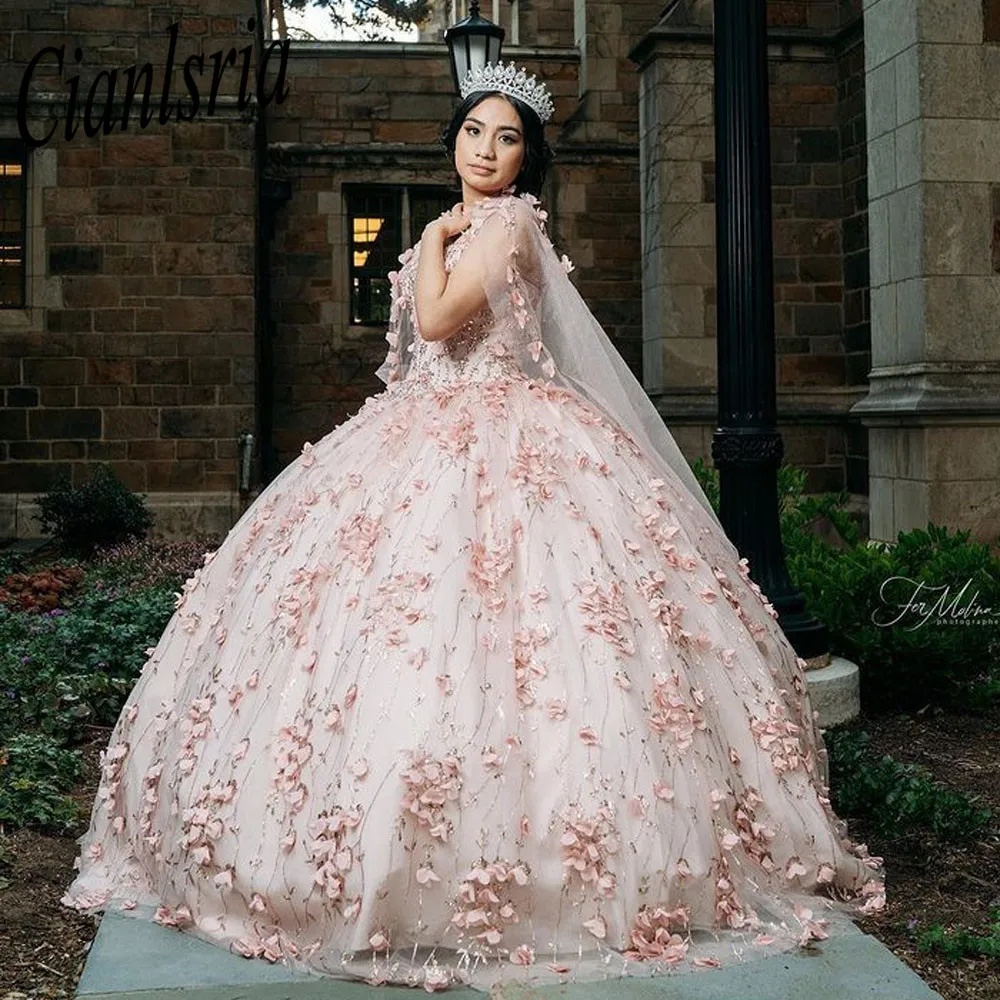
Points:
[[444, 302]]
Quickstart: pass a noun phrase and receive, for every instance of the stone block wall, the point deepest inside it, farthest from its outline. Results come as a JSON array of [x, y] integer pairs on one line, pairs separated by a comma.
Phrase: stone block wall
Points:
[[137, 344], [934, 160], [819, 220]]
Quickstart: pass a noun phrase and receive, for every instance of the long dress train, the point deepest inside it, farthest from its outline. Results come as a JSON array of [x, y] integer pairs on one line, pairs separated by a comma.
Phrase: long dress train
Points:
[[472, 693]]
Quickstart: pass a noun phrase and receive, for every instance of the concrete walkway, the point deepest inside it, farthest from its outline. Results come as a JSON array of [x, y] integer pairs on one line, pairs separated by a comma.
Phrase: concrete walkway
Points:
[[134, 959]]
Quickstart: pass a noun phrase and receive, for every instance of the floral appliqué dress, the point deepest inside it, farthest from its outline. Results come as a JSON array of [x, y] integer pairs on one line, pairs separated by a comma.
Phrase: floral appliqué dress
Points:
[[471, 694]]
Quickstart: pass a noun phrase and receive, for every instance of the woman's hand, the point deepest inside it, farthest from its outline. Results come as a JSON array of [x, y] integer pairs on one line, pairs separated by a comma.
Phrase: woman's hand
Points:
[[450, 223]]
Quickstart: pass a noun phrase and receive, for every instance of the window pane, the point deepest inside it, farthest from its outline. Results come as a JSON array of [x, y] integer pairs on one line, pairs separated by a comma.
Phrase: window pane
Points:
[[374, 229], [426, 204], [13, 230]]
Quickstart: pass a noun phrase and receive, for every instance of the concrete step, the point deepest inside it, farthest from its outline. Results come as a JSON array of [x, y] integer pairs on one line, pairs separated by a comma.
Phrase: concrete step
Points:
[[136, 959]]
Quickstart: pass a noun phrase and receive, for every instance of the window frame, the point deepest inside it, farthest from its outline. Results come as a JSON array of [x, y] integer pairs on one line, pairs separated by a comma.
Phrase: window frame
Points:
[[42, 292], [13, 149], [406, 194]]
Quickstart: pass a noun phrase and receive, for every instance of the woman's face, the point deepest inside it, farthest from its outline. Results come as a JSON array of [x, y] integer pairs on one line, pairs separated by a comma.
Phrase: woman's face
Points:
[[489, 148]]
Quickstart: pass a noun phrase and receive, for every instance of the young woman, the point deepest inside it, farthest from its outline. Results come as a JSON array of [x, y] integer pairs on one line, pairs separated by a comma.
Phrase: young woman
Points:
[[478, 689]]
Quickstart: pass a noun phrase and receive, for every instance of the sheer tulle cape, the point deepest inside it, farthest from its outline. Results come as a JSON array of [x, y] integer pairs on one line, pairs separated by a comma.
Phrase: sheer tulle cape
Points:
[[547, 328]]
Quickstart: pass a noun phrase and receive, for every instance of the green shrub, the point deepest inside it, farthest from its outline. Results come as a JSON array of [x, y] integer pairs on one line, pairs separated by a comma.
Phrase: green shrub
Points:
[[102, 511], [859, 591], [35, 774], [11, 562], [897, 798], [958, 944], [66, 668], [150, 562], [912, 660]]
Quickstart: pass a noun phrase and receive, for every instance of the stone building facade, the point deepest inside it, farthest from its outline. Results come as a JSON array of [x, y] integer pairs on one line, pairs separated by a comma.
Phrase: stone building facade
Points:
[[192, 281], [132, 341]]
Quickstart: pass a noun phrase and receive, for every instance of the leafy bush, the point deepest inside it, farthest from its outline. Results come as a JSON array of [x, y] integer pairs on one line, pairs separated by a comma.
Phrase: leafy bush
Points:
[[150, 562], [896, 797], [102, 511], [11, 562], [917, 659], [66, 668], [958, 944], [35, 774], [859, 590]]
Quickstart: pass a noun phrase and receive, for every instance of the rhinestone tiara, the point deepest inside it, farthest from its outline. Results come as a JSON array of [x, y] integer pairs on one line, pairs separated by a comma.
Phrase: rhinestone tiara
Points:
[[508, 79]]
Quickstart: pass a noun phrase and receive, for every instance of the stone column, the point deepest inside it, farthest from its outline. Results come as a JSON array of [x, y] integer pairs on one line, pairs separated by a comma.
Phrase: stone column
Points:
[[676, 147], [933, 407]]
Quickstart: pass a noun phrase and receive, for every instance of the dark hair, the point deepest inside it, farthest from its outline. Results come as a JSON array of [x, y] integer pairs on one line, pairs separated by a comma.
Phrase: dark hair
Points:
[[537, 152]]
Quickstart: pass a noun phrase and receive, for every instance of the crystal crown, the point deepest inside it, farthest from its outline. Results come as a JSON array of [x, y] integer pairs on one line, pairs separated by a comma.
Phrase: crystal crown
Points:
[[508, 79]]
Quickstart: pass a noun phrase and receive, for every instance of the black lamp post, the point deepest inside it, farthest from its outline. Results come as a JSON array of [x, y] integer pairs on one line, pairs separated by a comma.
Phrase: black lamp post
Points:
[[472, 43], [747, 447]]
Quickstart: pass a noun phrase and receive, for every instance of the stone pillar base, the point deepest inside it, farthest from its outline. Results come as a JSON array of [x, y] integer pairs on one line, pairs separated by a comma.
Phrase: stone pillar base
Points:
[[835, 693]]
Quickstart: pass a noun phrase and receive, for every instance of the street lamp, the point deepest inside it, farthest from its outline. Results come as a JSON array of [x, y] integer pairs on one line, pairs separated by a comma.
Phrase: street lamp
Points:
[[472, 43], [747, 447]]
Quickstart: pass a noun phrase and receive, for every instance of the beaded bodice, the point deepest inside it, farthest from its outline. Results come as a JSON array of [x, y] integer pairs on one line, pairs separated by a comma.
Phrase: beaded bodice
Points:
[[464, 356]]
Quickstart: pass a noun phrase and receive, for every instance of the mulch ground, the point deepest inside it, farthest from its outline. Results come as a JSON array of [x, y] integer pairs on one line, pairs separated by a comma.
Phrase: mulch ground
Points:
[[929, 882], [43, 945]]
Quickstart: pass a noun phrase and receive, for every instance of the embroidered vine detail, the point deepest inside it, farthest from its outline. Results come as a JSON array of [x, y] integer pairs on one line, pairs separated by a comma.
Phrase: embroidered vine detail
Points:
[[729, 909], [778, 735], [654, 934], [754, 834], [150, 798], [201, 826], [112, 764], [331, 855], [293, 751], [669, 711], [430, 785], [197, 725], [484, 907], [607, 614], [536, 464], [526, 669], [489, 566], [588, 843]]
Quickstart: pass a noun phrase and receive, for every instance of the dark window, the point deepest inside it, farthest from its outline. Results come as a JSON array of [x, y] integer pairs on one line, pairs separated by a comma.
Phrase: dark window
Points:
[[381, 222], [426, 205], [13, 222], [991, 20]]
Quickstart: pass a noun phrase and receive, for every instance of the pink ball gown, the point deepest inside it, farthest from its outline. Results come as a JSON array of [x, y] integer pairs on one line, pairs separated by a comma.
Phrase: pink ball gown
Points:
[[472, 693]]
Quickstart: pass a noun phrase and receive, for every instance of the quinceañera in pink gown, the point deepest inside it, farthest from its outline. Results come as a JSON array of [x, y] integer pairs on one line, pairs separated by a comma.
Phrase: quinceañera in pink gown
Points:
[[477, 690]]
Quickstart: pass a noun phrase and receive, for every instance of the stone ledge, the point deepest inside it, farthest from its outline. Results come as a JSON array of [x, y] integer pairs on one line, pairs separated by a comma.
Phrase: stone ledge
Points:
[[136, 959], [177, 515]]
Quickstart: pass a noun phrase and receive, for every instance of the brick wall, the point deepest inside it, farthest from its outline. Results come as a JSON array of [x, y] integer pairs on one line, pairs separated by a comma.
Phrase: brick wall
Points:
[[140, 348], [819, 214], [807, 209], [854, 160]]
